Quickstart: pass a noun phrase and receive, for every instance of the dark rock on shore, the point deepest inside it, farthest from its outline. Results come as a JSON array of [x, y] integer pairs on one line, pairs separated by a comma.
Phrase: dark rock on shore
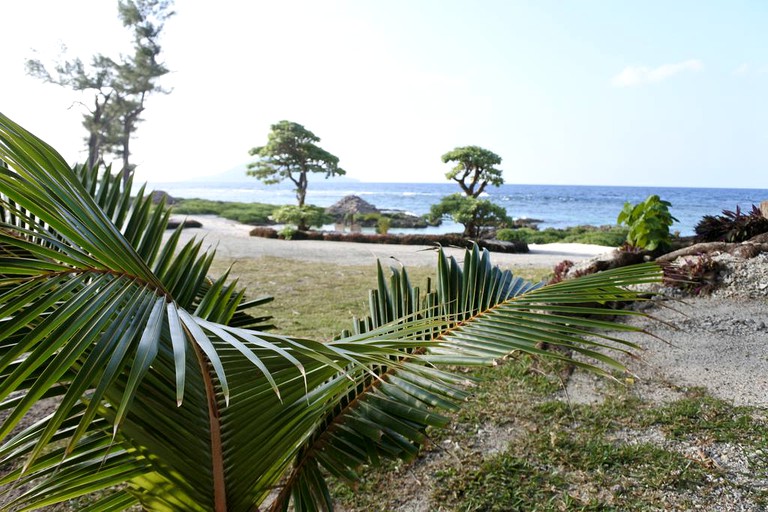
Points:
[[175, 222], [159, 195]]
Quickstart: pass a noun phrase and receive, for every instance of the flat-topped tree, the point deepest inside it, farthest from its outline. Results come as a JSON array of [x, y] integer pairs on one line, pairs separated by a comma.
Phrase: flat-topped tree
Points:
[[474, 169], [291, 153]]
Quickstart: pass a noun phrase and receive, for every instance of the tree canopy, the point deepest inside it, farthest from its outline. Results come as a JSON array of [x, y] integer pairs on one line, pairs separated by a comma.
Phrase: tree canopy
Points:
[[292, 153], [472, 212], [474, 169], [120, 85]]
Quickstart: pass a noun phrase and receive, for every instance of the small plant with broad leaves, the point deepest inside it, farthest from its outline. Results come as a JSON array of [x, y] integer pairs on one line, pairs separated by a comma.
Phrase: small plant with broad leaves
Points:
[[648, 224]]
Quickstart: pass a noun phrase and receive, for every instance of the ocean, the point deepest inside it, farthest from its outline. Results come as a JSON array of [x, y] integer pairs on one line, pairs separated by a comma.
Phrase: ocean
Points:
[[557, 206]]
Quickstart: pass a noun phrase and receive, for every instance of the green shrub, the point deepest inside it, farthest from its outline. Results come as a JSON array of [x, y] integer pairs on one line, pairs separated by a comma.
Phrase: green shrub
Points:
[[301, 216], [648, 223], [610, 236], [288, 232], [382, 225], [474, 214]]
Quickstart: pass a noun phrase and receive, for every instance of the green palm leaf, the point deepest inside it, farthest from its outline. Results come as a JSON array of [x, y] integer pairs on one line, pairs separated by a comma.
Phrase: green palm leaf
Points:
[[166, 392]]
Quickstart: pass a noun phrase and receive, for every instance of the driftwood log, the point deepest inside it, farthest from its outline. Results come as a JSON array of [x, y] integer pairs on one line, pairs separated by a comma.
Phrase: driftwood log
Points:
[[748, 249]]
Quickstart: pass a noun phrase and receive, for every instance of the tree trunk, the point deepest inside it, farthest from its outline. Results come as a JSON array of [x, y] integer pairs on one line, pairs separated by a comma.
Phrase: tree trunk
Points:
[[126, 172]]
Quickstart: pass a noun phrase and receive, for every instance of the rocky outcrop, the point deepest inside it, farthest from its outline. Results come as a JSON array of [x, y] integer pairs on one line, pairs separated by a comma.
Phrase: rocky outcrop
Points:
[[158, 195], [350, 205]]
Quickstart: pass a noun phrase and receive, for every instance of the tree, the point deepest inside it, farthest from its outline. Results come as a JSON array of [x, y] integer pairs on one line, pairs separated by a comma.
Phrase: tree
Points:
[[171, 399], [99, 80], [137, 76], [473, 213], [291, 153], [473, 172], [474, 169], [119, 87]]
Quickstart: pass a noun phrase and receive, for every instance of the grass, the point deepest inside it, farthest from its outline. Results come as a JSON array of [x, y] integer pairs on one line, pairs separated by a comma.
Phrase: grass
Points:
[[246, 213], [516, 445], [313, 299]]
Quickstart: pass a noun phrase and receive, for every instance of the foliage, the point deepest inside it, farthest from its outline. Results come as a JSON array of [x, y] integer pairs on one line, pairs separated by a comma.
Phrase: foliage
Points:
[[291, 153], [119, 87], [520, 445], [287, 232], [246, 213], [474, 170], [166, 401], [731, 226], [382, 225], [648, 223], [693, 274], [306, 215], [475, 214], [609, 236]]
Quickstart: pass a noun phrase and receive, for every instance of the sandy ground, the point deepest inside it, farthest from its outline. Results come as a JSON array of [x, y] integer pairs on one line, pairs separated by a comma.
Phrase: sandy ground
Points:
[[232, 240], [716, 343], [720, 344]]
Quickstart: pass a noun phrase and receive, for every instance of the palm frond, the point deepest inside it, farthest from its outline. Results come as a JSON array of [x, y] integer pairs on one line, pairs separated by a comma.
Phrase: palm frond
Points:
[[475, 314], [164, 389]]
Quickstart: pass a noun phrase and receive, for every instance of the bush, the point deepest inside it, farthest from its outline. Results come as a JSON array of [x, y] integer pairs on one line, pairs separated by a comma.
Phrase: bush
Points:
[[302, 216], [731, 226], [474, 214], [648, 223], [382, 225], [610, 236], [287, 232]]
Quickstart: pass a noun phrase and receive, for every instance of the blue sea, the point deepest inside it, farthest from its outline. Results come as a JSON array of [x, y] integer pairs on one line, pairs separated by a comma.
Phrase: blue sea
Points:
[[557, 206]]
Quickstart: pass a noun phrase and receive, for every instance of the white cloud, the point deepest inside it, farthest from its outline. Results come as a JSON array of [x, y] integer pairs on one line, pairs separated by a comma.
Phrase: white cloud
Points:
[[640, 75]]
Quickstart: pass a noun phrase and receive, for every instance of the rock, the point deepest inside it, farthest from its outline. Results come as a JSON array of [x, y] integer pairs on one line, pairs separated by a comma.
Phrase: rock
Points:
[[350, 205], [158, 195], [175, 222]]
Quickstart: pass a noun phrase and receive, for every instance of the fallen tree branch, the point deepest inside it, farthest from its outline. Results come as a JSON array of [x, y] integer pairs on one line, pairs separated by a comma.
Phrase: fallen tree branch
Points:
[[745, 248]]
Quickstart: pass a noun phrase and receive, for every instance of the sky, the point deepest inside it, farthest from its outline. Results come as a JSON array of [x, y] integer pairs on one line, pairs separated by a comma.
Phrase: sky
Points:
[[591, 92]]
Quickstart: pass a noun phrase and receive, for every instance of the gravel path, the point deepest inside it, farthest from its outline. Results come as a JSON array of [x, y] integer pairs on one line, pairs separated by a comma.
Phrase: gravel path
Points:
[[232, 240]]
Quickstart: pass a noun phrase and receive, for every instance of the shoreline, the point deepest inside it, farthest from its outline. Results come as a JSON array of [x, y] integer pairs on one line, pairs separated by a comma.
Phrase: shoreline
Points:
[[232, 239]]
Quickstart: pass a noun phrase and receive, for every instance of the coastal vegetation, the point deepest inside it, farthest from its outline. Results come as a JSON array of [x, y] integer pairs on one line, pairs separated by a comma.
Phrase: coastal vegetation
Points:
[[119, 87], [475, 169], [731, 226], [246, 213], [170, 396], [648, 223], [291, 153], [609, 236]]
